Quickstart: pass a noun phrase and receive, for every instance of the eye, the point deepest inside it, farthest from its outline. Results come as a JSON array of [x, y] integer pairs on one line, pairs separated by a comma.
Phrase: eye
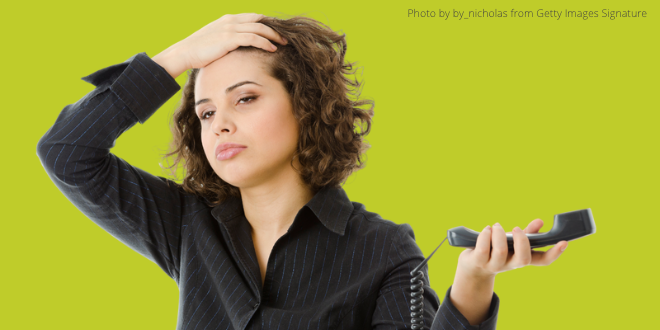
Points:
[[250, 98], [203, 117]]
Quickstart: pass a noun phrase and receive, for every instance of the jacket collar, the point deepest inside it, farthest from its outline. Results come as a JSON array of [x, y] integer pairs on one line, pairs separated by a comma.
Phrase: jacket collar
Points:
[[330, 205]]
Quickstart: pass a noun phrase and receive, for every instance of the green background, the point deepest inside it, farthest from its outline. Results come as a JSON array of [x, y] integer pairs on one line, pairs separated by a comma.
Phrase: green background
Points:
[[476, 121]]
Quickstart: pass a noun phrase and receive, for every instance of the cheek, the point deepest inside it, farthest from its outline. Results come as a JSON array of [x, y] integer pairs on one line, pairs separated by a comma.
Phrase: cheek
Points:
[[277, 130], [208, 143]]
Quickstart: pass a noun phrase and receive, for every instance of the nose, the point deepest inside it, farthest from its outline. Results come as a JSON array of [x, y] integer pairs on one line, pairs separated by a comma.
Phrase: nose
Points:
[[222, 122]]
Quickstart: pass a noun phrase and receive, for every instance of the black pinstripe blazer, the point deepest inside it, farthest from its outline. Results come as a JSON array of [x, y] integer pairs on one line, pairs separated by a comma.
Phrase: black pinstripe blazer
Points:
[[338, 266]]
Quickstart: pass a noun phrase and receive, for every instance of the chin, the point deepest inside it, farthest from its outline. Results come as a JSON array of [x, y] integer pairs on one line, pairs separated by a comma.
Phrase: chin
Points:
[[235, 178]]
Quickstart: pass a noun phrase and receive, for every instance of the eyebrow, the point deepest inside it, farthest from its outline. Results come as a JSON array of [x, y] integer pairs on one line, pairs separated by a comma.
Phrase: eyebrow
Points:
[[228, 90]]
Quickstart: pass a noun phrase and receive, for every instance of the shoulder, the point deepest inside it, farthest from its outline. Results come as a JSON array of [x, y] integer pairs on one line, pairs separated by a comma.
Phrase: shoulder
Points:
[[370, 224], [399, 252]]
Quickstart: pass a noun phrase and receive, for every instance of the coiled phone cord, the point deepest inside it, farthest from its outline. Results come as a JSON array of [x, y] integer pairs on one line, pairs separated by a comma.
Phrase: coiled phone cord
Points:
[[417, 288]]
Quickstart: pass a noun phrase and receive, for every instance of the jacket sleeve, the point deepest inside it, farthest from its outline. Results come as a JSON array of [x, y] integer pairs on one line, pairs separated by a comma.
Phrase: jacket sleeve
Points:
[[393, 304], [141, 210]]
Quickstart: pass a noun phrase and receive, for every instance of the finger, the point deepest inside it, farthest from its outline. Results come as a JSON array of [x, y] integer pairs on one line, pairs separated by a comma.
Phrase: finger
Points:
[[482, 247], [540, 258], [238, 18], [251, 39], [243, 17], [533, 226], [522, 255], [500, 252], [262, 30], [251, 19]]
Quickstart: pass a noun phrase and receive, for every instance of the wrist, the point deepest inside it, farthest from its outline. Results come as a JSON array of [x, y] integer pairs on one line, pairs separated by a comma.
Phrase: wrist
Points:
[[472, 294], [171, 60], [474, 283]]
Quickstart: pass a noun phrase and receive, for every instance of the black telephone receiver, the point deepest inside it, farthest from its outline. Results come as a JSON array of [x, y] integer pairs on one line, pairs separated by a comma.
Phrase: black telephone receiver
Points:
[[567, 227]]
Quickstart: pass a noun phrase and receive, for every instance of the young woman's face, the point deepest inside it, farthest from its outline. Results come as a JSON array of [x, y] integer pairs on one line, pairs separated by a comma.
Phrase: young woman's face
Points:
[[245, 105]]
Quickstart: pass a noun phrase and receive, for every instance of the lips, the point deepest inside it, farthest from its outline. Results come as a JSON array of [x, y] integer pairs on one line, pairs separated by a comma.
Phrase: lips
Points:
[[227, 145], [229, 153]]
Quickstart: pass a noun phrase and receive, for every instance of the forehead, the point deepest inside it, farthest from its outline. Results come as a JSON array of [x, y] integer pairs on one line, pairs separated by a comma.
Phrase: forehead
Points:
[[228, 70]]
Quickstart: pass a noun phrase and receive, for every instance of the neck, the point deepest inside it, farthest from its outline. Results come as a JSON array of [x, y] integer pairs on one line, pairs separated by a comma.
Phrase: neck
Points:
[[270, 208]]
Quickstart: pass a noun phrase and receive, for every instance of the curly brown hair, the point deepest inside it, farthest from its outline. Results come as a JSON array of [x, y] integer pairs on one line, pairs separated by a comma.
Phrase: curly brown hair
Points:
[[313, 72]]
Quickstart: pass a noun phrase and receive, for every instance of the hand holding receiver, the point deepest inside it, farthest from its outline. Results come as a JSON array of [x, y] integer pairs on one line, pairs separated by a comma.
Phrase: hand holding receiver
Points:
[[493, 251], [567, 226], [215, 40], [473, 285]]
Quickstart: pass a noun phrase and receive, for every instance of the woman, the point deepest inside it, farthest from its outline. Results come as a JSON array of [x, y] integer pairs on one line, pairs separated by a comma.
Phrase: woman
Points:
[[260, 234]]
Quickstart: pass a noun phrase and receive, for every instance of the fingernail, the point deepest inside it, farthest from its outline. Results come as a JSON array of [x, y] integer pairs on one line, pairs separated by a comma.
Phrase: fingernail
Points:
[[564, 248], [497, 224], [487, 227], [517, 229], [284, 40]]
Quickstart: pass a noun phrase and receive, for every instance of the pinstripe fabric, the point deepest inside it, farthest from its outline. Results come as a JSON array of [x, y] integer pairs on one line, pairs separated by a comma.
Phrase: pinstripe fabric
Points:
[[338, 266]]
